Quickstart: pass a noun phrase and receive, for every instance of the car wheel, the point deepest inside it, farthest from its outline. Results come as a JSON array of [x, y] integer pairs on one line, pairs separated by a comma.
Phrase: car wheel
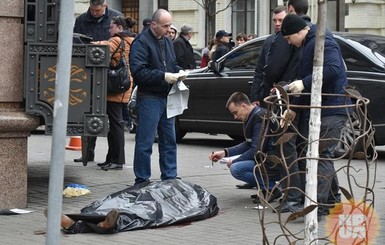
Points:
[[179, 133], [350, 132]]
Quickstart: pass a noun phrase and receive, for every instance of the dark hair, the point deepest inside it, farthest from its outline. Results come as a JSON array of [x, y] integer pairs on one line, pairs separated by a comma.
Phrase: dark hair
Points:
[[125, 22], [279, 9], [300, 6], [241, 36], [238, 98], [97, 2]]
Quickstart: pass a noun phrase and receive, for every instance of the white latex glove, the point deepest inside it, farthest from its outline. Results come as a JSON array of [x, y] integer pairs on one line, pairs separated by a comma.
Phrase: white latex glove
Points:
[[182, 75], [296, 86], [171, 78], [287, 117]]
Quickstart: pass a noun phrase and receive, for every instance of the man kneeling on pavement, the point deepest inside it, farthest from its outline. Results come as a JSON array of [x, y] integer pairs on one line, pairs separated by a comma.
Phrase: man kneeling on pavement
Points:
[[244, 167]]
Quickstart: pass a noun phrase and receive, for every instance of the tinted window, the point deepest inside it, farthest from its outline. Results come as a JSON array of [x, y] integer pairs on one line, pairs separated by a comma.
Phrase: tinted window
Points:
[[363, 53], [354, 60], [245, 57]]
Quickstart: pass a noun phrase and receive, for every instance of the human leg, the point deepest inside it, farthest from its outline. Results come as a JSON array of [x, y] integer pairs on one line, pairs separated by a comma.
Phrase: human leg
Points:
[[167, 146], [147, 117], [244, 171], [115, 136], [331, 127]]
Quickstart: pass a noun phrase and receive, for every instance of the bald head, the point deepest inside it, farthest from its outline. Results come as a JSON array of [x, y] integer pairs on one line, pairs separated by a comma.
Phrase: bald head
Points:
[[161, 23]]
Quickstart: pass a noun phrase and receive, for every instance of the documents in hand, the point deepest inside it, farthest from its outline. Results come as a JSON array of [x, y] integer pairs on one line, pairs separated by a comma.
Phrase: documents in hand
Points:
[[177, 98], [225, 160]]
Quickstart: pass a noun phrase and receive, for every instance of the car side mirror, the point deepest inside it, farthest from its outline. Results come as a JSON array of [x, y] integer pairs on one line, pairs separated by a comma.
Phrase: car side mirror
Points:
[[214, 66]]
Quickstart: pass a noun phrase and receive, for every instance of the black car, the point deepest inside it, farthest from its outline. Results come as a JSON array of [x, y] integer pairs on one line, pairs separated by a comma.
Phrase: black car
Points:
[[210, 87]]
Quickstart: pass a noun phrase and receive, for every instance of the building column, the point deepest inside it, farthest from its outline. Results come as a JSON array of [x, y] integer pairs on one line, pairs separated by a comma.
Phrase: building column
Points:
[[15, 125]]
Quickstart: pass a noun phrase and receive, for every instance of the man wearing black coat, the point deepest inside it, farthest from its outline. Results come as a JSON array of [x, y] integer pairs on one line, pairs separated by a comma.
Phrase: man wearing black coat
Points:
[[183, 50]]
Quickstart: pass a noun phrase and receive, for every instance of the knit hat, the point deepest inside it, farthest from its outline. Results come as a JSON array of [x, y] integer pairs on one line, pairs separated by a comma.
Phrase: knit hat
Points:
[[292, 24], [185, 29]]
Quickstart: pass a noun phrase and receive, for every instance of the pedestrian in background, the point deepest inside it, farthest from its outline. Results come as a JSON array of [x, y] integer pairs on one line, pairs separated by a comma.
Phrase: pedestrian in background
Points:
[[221, 45], [183, 50], [119, 31], [241, 38], [172, 33], [153, 67], [96, 24]]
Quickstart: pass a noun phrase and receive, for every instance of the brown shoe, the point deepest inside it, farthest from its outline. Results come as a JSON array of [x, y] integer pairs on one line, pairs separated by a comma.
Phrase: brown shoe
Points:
[[65, 221], [110, 220]]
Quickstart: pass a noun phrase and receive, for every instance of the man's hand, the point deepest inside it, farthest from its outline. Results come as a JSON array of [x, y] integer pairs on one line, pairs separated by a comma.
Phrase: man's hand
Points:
[[287, 117], [171, 78], [296, 86], [217, 155]]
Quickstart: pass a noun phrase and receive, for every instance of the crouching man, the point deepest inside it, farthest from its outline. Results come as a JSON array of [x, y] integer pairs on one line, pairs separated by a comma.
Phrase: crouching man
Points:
[[243, 167]]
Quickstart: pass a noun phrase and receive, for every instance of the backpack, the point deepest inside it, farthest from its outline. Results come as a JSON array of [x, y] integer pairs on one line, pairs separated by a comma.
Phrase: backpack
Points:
[[118, 77]]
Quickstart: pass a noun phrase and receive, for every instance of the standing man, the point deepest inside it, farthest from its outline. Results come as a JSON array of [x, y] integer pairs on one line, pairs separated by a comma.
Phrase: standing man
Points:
[[183, 50], [153, 67], [296, 31], [96, 24], [259, 89]]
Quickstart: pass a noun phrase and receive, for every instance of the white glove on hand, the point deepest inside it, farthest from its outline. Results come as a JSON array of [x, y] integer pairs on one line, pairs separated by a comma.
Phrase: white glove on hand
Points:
[[296, 86], [182, 75], [171, 78], [287, 117]]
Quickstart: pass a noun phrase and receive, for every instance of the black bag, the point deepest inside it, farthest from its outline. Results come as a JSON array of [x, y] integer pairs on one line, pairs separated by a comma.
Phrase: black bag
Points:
[[118, 77]]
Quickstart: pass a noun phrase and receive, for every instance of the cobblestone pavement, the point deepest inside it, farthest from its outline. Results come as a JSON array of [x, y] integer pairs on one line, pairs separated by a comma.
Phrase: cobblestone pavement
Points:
[[236, 223]]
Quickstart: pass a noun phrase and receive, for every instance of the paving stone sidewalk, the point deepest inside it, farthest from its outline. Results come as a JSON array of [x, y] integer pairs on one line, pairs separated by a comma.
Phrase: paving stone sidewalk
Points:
[[236, 223]]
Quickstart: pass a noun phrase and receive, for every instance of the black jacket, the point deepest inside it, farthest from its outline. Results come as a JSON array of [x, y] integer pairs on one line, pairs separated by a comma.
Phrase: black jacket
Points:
[[257, 92], [184, 53], [97, 28], [149, 62]]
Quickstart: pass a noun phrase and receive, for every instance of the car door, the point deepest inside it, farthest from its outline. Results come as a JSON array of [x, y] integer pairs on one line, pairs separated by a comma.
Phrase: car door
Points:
[[209, 91]]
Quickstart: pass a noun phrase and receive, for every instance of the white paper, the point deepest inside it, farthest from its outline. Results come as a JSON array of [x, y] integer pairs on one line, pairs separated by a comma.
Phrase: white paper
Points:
[[177, 99], [225, 160], [20, 211]]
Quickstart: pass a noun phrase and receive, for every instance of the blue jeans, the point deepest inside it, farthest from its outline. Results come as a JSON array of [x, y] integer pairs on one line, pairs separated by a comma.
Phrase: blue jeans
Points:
[[244, 171], [152, 118]]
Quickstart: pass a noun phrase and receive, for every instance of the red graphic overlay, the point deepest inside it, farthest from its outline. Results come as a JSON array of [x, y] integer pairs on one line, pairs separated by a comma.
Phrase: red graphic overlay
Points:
[[352, 223]]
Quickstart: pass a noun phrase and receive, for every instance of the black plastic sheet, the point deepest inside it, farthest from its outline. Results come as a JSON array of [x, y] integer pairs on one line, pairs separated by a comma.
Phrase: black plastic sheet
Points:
[[153, 205]]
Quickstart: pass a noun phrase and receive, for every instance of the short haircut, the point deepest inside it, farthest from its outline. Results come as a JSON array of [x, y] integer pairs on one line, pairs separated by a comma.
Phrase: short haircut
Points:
[[238, 98], [97, 2], [157, 14], [241, 36], [279, 9], [300, 6]]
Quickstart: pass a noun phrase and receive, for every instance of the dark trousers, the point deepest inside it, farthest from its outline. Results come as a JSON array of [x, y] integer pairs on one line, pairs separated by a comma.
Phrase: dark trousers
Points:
[[89, 153], [115, 136]]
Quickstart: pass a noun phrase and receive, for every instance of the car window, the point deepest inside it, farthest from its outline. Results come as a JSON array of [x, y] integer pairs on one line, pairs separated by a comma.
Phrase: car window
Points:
[[355, 60], [245, 57], [363, 53]]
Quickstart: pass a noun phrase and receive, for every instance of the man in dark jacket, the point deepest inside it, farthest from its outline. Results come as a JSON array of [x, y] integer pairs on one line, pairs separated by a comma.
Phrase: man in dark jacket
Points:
[[154, 69], [242, 167], [94, 23], [298, 33], [183, 50], [261, 88]]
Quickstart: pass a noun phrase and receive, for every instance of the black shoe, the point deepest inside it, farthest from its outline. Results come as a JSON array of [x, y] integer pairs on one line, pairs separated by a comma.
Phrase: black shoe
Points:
[[89, 158], [78, 159], [102, 164], [286, 207], [112, 166], [245, 186]]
